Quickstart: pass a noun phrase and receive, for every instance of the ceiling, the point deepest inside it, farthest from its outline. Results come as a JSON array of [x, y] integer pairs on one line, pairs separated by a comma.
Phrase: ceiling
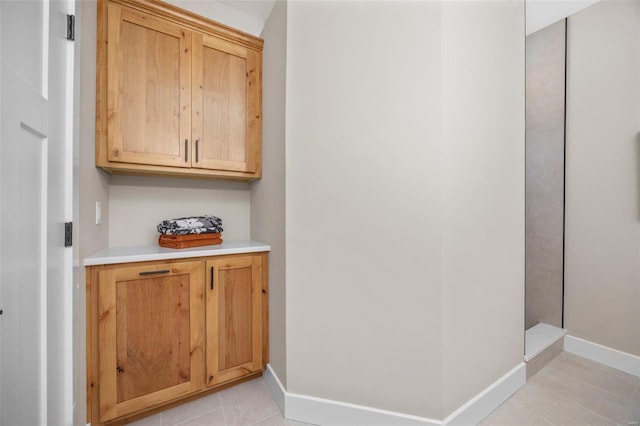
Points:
[[540, 13], [257, 8]]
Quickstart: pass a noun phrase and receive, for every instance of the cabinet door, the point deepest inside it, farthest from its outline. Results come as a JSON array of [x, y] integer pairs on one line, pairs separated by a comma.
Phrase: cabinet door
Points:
[[150, 335], [233, 318], [226, 105], [149, 89]]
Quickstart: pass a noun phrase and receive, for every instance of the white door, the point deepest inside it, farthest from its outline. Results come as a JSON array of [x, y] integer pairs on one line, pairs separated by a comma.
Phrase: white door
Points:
[[35, 201]]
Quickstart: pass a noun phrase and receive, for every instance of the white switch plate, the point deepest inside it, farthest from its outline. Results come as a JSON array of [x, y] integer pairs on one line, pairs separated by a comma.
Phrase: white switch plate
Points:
[[98, 212]]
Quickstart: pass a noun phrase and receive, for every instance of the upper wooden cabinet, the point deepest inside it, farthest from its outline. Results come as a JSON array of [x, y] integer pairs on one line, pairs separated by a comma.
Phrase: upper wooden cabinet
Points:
[[148, 89], [226, 94], [177, 94]]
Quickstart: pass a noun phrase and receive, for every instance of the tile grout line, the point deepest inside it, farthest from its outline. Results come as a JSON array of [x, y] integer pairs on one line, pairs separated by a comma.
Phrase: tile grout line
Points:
[[635, 393], [263, 419], [224, 416], [180, 422], [274, 413]]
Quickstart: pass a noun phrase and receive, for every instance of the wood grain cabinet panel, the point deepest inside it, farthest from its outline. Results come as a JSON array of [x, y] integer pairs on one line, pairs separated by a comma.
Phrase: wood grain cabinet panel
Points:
[[149, 101], [234, 318], [151, 328], [224, 105], [162, 332], [177, 94]]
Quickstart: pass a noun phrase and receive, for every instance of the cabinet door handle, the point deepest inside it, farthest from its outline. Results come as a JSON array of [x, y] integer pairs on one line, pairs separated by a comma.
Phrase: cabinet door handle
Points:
[[212, 278], [197, 149], [186, 150], [160, 271]]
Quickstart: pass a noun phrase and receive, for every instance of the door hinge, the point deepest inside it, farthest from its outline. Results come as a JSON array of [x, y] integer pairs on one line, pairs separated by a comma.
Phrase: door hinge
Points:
[[71, 27], [68, 234]]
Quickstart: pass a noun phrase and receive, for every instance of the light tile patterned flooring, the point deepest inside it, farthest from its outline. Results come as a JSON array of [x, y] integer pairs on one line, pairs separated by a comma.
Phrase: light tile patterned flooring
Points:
[[247, 404], [570, 390]]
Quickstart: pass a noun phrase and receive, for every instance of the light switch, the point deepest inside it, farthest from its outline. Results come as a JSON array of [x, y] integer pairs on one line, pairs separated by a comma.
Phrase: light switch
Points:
[[98, 212]]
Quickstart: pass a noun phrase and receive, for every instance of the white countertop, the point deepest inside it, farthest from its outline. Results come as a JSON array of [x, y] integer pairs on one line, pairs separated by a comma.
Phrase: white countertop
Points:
[[112, 255]]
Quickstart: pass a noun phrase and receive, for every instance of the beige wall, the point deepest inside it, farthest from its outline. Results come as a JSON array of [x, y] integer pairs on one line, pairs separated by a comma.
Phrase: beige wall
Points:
[[93, 185], [405, 201], [364, 312], [482, 187], [267, 194], [602, 277], [545, 175], [138, 204], [93, 182]]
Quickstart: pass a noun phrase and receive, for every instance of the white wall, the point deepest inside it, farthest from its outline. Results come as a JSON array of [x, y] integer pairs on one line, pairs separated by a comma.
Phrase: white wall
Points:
[[483, 195], [267, 194], [93, 182], [541, 13], [602, 276], [405, 201], [363, 185], [138, 204], [224, 13]]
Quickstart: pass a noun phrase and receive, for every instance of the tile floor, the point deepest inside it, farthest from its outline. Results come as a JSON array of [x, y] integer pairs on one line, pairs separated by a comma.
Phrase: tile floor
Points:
[[570, 390], [247, 404]]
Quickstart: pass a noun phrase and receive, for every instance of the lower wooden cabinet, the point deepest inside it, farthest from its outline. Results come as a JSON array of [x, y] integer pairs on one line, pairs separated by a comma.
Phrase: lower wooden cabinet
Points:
[[159, 332], [150, 328], [234, 312]]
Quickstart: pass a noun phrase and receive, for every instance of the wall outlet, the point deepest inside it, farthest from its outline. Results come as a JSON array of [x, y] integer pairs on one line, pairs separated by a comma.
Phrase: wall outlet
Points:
[[98, 212]]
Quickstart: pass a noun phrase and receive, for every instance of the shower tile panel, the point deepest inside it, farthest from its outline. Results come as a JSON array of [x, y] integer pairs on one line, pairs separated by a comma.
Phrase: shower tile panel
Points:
[[544, 202]]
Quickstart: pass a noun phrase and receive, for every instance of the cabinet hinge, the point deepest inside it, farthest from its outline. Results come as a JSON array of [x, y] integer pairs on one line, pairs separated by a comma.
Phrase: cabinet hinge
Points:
[[71, 27], [68, 234]]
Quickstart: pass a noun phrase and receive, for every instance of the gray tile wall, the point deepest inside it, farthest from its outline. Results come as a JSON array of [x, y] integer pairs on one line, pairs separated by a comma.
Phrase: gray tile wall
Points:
[[544, 203]]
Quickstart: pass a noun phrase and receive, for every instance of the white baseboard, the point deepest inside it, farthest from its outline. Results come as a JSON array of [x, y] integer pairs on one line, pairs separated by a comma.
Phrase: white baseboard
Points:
[[604, 355], [321, 411], [275, 387], [489, 399]]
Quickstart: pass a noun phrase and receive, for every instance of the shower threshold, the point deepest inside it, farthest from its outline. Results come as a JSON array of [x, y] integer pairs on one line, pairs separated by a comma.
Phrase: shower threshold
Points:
[[543, 342]]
